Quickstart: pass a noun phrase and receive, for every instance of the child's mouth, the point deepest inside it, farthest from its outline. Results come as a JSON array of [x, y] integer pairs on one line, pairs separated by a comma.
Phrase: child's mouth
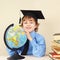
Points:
[[28, 27]]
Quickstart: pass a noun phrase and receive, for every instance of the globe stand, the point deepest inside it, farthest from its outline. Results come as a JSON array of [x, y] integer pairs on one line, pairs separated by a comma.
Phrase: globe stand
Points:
[[16, 56]]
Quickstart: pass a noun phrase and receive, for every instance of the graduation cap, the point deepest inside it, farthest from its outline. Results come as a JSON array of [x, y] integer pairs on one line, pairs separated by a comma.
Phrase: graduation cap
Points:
[[36, 14]]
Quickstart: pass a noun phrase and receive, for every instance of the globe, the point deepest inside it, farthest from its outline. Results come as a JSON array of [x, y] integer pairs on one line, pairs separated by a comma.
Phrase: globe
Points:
[[15, 37]]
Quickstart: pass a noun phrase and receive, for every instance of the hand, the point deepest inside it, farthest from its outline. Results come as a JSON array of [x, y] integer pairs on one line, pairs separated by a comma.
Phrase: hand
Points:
[[28, 36]]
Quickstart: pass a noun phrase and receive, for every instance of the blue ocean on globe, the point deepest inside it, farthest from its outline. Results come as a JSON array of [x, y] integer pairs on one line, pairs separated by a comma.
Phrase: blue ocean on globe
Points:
[[15, 37]]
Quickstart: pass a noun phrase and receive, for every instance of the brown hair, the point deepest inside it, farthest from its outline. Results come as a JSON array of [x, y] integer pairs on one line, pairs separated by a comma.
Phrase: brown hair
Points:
[[24, 17]]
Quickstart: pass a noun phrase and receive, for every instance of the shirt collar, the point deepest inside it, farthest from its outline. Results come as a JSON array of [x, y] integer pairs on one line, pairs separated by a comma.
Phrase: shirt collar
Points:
[[33, 33]]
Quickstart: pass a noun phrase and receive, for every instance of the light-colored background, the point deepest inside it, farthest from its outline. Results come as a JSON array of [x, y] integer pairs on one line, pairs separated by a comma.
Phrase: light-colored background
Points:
[[10, 13]]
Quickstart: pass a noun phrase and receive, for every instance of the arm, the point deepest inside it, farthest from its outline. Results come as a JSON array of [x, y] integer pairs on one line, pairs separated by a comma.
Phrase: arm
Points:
[[38, 45], [11, 52]]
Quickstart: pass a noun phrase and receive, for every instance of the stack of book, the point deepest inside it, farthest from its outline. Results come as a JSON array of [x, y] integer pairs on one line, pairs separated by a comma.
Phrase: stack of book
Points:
[[55, 54]]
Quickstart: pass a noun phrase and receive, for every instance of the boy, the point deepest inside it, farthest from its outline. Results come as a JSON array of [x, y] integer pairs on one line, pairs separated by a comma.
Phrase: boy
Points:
[[35, 42]]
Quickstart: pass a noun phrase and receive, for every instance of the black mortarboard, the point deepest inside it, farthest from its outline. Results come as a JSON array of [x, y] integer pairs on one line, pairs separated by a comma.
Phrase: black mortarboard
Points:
[[33, 13], [37, 14]]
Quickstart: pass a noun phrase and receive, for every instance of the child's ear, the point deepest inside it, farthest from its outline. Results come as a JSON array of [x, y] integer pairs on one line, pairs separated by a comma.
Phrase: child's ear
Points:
[[36, 26]]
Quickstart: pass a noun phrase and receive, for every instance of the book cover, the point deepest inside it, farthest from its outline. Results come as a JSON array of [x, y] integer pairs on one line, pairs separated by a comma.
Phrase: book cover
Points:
[[56, 36], [56, 49], [55, 58], [54, 55]]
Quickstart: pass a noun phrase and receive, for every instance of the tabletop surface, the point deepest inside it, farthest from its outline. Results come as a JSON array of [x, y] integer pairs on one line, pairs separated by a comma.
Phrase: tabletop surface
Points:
[[28, 58]]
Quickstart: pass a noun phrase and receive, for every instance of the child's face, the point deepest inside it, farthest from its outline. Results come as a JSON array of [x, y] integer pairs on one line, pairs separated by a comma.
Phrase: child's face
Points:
[[29, 24]]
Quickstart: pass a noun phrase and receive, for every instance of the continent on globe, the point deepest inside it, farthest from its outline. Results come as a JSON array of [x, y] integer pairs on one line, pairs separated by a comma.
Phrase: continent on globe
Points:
[[13, 39]]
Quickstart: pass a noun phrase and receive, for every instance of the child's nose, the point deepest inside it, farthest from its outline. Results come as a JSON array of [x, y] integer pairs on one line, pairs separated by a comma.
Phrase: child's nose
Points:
[[28, 24]]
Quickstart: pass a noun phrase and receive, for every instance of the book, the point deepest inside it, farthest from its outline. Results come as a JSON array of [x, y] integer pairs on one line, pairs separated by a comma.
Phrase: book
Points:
[[54, 55], [56, 58], [56, 36], [57, 41], [54, 43], [55, 46], [56, 49]]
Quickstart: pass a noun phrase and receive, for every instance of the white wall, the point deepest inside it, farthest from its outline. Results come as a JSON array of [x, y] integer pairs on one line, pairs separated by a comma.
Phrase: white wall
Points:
[[10, 12]]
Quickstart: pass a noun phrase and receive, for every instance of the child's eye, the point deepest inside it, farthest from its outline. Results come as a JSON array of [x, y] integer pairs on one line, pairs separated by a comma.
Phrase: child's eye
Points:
[[31, 22], [25, 22]]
